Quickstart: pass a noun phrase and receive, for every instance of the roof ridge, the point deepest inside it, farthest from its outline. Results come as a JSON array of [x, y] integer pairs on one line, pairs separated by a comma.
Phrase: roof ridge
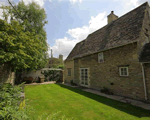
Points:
[[146, 3], [125, 30]]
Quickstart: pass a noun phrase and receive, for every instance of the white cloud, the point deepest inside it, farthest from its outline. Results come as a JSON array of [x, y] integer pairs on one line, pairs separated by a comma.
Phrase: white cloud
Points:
[[50, 0], [40, 2], [1, 13], [65, 45], [75, 1], [97, 22], [142, 1], [1, 10]]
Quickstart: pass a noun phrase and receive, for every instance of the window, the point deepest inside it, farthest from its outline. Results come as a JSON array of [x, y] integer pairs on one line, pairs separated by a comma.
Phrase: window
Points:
[[100, 58], [123, 71], [69, 71], [84, 76]]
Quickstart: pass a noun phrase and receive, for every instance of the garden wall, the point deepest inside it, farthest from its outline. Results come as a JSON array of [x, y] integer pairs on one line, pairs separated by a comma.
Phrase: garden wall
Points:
[[6, 75]]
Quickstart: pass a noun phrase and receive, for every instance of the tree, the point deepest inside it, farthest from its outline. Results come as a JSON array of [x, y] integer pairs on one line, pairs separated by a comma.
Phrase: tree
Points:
[[19, 48], [23, 39]]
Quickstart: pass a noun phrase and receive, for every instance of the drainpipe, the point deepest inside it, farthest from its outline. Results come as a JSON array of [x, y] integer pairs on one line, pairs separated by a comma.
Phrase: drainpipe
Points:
[[144, 81]]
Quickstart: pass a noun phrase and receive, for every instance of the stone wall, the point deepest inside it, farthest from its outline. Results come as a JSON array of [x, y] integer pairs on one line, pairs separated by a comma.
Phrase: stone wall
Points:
[[103, 74], [6, 75], [34, 74], [69, 64], [147, 77]]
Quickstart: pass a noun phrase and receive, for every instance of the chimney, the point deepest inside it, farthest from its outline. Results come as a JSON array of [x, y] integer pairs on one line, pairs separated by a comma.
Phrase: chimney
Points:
[[61, 57], [111, 17]]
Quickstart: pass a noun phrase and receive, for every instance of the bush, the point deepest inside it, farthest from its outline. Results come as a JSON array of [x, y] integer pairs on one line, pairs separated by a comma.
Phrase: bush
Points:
[[106, 91], [9, 103], [72, 83], [28, 79]]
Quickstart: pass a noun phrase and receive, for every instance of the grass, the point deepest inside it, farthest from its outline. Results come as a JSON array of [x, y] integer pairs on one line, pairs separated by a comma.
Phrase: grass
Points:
[[78, 105]]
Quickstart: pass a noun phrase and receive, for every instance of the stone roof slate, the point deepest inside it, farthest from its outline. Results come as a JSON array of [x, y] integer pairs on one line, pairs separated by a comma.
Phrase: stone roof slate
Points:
[[121, 31]]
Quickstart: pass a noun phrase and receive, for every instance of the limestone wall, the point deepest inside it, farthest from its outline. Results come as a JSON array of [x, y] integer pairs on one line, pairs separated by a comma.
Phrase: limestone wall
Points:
[[103, 74], [69, 64], [6, 75]]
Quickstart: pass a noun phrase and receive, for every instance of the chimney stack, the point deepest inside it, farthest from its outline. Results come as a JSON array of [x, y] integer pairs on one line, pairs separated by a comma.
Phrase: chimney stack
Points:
[[111, 17], [61, 57]]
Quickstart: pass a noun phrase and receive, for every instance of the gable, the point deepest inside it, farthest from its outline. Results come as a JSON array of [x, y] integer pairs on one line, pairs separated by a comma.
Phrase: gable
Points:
[[121, 31]]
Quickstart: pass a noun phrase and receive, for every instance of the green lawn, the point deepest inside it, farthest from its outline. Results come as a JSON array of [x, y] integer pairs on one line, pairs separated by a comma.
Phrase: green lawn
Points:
[[77, 104]]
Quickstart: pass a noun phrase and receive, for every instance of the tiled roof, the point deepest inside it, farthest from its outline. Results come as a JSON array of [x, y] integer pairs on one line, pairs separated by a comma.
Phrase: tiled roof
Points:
[[121, 31], [145, 54]]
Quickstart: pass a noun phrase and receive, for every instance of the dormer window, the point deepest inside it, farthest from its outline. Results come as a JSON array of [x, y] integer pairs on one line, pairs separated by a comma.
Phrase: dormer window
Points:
[[100, 57]]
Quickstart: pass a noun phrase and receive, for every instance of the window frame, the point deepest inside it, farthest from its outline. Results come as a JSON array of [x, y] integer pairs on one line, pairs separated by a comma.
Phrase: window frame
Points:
[[84, 77], [102, 57], [120, 72], [69, 71]]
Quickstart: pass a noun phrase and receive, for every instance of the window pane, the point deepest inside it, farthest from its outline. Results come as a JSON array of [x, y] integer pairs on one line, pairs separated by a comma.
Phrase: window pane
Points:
[[125, 73], [86, 83], [69, 71]]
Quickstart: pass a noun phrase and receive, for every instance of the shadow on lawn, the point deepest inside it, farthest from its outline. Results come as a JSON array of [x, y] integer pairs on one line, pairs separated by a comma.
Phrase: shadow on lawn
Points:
[[125, 107]]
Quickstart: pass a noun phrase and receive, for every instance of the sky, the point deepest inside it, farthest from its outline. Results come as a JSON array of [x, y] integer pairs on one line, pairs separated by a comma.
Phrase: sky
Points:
[[70, 21]]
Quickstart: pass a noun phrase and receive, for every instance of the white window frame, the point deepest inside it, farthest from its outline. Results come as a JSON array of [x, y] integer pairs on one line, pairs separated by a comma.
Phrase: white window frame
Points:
[[84, 78], [69, 71], [126, 71], [101, 58]]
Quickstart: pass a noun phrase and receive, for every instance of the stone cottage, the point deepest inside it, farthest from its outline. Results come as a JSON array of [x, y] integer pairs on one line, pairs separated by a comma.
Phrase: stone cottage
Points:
[[117, 56]]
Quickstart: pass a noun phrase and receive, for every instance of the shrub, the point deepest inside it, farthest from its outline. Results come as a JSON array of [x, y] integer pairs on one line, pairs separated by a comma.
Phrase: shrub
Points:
[[28, 79], [9, 99], [52, 74], [106, 91], [72, 83]]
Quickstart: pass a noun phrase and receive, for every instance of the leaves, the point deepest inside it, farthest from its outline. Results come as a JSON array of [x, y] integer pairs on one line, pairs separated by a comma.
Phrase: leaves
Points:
[[9, 107], [23, 40]]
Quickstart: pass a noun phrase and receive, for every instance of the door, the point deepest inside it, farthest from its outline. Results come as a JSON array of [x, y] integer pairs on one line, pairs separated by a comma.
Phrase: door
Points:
[[84, 76]]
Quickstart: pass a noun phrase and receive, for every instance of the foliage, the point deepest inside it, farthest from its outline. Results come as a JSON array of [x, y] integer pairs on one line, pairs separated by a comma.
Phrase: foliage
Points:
[[72, 83], [56, 63], [106, 91], [23, 40], [9, 99], [18, 48], [61, 66], [52, 75]]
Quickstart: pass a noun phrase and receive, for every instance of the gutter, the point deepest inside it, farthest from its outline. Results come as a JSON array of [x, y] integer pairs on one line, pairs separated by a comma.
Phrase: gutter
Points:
[[144, 82]]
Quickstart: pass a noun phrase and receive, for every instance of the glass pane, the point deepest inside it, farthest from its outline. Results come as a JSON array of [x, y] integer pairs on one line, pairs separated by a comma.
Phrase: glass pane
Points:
[[122, 73], [125, 73]]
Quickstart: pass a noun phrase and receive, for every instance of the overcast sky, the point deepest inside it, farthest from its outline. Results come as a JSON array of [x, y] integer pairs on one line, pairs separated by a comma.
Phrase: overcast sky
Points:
[[70, 21]]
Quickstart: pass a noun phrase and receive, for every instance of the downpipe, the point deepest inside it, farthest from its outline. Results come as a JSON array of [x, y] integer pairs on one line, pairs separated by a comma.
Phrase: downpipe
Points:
[[144, 82]]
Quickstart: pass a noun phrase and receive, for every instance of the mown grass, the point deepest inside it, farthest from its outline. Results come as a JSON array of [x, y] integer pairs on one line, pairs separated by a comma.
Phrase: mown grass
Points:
[[78, 105]]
